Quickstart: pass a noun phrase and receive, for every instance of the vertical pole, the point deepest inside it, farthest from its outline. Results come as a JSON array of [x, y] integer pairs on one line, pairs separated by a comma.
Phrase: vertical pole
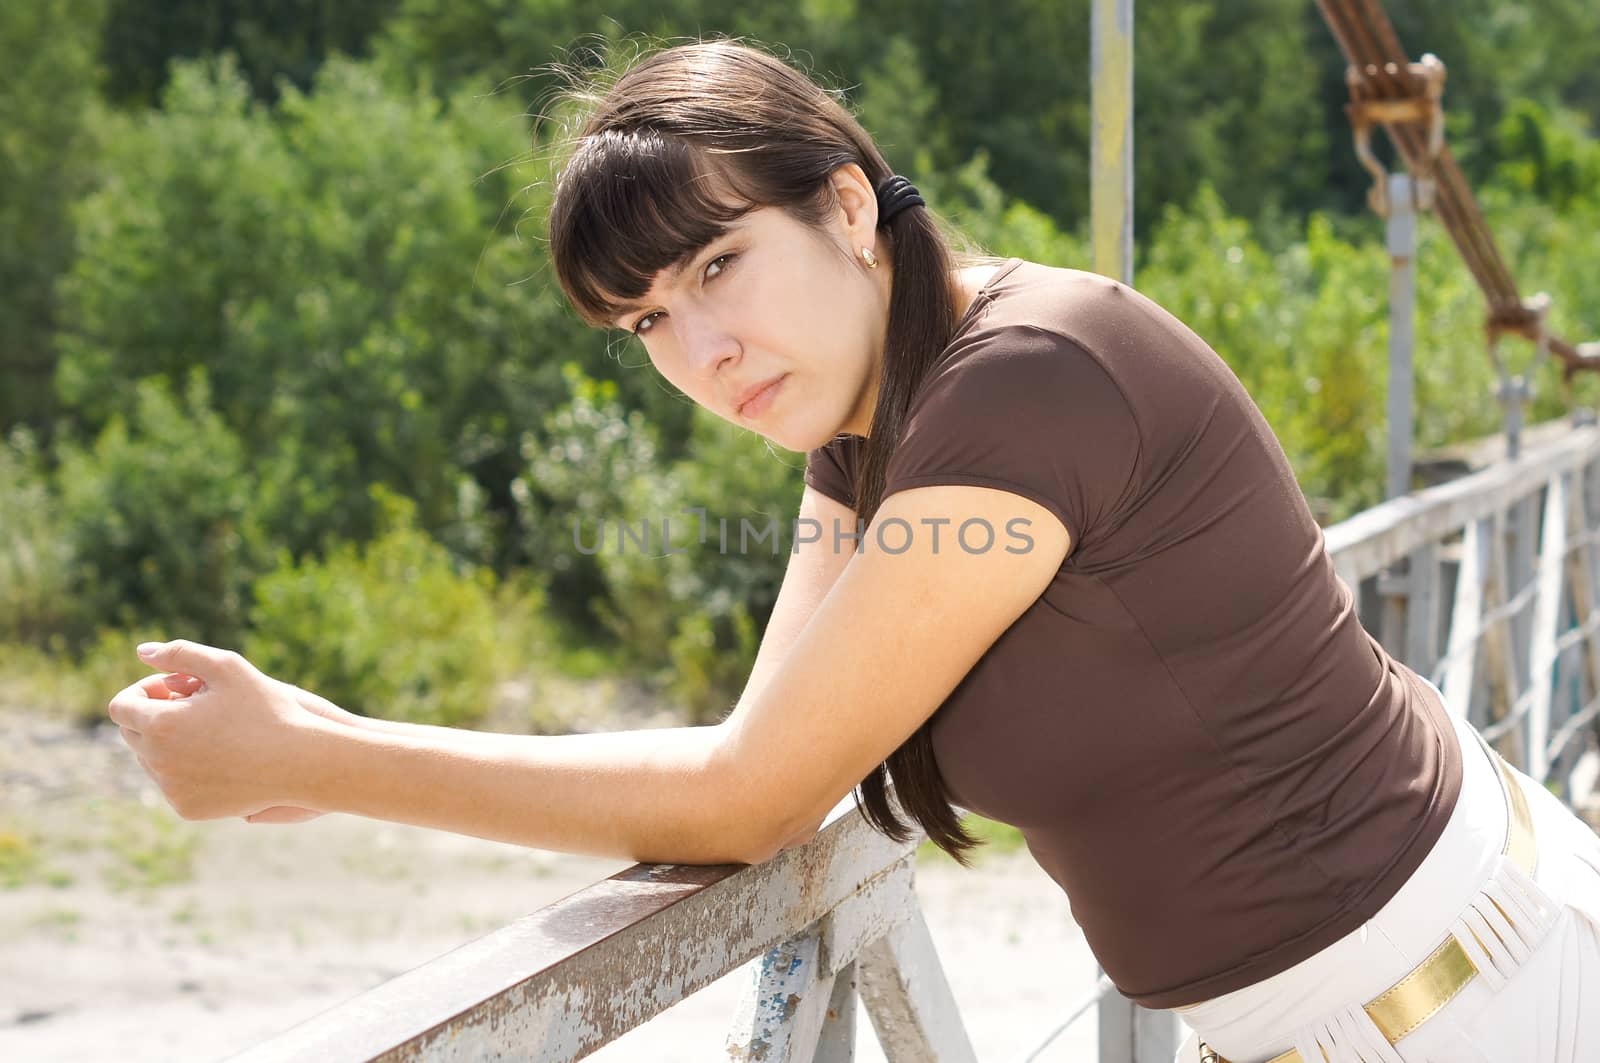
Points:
[[1400, 626], [1128, 1033], [1402, 243], [1115, 1024], [1422, 609], [1111, 138], [837, 1043], [1132, 1034], [1542, 671], [1513, 392]]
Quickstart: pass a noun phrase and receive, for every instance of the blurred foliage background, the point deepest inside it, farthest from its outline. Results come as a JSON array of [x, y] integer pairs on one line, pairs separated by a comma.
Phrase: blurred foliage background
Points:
[[283, 367]]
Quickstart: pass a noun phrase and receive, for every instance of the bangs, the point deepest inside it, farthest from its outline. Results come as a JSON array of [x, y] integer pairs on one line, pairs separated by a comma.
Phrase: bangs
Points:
[[629, 204]]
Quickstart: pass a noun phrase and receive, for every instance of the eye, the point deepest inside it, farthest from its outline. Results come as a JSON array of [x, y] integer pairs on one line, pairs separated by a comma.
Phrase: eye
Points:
[[713, 269]]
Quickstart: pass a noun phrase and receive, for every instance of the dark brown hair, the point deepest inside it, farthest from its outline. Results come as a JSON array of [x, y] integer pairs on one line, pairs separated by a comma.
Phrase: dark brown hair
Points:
[[686, 140]]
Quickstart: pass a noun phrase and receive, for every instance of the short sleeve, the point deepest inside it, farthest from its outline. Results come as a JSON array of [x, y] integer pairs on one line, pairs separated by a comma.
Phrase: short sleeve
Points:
[[1030, 411], [831, 468]]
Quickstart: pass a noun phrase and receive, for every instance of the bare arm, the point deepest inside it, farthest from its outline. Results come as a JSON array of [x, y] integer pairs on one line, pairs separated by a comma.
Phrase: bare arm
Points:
[[652, 796], [675, 753], [823, 716], [882, 651], [812, 571]]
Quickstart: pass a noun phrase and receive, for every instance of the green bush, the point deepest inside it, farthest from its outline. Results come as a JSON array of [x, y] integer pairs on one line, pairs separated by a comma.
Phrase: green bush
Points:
[[689, 608], [634, 573], [575, 470], [159, 514], [395, 629], [711, 658], [36, 561]]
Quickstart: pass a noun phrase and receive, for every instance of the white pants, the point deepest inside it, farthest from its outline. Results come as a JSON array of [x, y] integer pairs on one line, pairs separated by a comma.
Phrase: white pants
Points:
[[1537, 996]]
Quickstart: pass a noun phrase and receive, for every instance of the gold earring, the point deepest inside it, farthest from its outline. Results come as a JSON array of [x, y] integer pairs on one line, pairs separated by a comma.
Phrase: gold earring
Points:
[[869, 258]]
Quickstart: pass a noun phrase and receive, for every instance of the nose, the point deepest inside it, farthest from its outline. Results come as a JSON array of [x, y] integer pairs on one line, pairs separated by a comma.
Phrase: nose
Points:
[[707, 343]]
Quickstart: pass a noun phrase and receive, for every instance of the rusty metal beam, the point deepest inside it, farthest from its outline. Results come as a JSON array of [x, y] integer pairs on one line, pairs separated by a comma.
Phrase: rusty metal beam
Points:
[[575, 975]]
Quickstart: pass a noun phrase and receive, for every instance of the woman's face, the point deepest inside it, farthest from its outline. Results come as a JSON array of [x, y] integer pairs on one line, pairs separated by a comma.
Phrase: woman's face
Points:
[[772, 299]]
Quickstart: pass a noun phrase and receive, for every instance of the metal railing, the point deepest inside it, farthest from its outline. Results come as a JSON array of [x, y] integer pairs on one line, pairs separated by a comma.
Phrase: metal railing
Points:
[[833, 920], [1497, 604], [1487, 586]]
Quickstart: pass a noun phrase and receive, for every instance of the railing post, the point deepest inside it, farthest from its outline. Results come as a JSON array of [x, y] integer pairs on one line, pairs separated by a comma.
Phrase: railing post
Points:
[[1473, 589], [908, 999], [1422, 609], [838, 1041], [1583, 781], [1394, 592], [876, 944], [1547, 614], [1521, 549], [1132, 1034], [1586, 576], [1500, 650], [782, 1019]]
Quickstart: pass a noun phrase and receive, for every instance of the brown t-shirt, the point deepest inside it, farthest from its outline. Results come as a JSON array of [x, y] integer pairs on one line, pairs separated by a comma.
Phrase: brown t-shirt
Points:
[[1192, 730]]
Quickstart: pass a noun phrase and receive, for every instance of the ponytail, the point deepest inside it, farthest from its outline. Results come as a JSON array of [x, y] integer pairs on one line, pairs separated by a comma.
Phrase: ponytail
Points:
[[922, 317]]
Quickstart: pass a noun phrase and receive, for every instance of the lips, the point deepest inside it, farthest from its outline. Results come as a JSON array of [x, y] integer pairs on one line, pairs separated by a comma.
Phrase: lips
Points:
[[755, 390]]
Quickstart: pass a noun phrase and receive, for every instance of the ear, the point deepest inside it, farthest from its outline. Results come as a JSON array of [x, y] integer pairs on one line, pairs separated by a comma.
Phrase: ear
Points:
[[858, 206]]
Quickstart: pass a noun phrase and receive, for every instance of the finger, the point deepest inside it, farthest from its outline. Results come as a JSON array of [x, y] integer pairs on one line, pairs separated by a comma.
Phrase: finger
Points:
[[154, 686], [167, 687], [208, 663], [182, 684], [133, 709]]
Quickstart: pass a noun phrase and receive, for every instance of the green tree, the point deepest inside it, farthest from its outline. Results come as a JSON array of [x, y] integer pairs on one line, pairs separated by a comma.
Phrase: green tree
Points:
[[343, 267], [46, 106], [1010, 81], [286, 39], [1548, 156]]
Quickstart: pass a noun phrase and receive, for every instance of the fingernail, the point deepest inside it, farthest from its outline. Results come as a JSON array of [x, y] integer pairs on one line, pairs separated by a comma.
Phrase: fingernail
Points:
[[147, 649]]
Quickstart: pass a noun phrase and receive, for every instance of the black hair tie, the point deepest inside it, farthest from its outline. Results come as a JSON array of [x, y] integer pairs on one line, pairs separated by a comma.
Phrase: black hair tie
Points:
[[895, 194]]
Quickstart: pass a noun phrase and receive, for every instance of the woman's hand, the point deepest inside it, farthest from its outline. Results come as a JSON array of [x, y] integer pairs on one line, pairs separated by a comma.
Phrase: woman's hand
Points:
[[181, 685], [219, 737]]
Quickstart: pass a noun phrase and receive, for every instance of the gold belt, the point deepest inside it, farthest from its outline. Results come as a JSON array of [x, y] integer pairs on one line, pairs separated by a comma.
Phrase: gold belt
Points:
[[1435, 981]]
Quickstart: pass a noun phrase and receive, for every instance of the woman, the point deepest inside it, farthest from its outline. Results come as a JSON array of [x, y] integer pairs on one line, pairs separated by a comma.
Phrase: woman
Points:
[[1051, 514]]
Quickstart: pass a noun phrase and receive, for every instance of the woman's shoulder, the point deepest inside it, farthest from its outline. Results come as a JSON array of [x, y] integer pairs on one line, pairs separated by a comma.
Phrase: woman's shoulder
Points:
[[1054, 310], [1033, 316], [1025, 320], [1061, 299]]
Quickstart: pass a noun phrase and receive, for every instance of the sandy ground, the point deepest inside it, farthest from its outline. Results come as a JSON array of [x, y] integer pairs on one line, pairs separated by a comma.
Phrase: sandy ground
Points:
[[131, 935]]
